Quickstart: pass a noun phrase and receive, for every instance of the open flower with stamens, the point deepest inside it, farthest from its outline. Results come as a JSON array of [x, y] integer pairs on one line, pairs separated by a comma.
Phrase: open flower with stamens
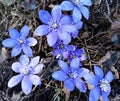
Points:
[[19, 41], [56, 26], [101, 84], [27, 73], [71, 75], [79, 8]]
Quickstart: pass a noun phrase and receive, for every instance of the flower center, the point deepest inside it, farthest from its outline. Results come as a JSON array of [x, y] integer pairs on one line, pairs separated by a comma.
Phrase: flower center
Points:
[[54, 25], [73, 75], [76, 2], [26, 71], [104, 85], [61, 46], [21, 40]]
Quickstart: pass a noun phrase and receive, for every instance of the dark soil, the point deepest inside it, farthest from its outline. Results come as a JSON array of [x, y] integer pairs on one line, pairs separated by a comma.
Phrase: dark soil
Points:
[[100, 36]]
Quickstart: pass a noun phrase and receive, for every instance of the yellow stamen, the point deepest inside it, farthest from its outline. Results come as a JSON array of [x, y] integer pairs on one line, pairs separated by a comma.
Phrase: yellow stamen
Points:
[[54, 25]]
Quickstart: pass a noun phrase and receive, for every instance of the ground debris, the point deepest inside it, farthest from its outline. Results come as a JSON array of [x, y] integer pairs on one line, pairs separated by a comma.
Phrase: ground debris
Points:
[[3, 55], [109, 59], [7, 2], [99, 36]]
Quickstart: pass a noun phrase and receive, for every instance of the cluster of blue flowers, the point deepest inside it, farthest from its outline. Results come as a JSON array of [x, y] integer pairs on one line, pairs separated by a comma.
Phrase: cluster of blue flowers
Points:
[[59, 30]]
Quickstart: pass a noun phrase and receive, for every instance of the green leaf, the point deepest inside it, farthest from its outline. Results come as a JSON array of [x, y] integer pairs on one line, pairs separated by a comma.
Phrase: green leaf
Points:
[[7, 2]]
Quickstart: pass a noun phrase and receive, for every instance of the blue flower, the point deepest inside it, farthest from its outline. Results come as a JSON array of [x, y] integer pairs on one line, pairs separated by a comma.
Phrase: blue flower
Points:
[[79, 8], [78, 26], [79, 53], [101, 84], [71, 75], [19, 41], [27, 70], [62, 50], [56, 26]]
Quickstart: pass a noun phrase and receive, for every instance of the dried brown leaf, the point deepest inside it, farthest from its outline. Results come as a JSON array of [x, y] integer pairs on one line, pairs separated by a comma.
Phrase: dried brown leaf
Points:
[[115, 71], [115, 24], [29, 4], [3, 55], [104, 58], [109, 59], [115, 32], [85, 35], [67, 94]]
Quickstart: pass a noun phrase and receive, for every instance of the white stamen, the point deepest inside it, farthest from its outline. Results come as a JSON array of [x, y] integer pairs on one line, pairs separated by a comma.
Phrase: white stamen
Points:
[[73, 75], [104, 85], [54, 25], [21, 40]]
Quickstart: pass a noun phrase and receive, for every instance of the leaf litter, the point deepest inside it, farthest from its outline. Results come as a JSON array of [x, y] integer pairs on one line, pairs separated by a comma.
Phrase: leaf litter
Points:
[[100, 37]]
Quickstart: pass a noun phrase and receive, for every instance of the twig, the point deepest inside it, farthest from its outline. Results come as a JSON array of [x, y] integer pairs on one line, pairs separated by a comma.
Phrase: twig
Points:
[[108, 8], [88, 56], [116, 9], [98, 34], [44, 3], [40, 45]]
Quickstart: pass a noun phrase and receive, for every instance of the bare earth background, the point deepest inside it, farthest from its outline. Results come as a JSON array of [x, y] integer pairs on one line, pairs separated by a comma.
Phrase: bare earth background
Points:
[[100, 36]]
